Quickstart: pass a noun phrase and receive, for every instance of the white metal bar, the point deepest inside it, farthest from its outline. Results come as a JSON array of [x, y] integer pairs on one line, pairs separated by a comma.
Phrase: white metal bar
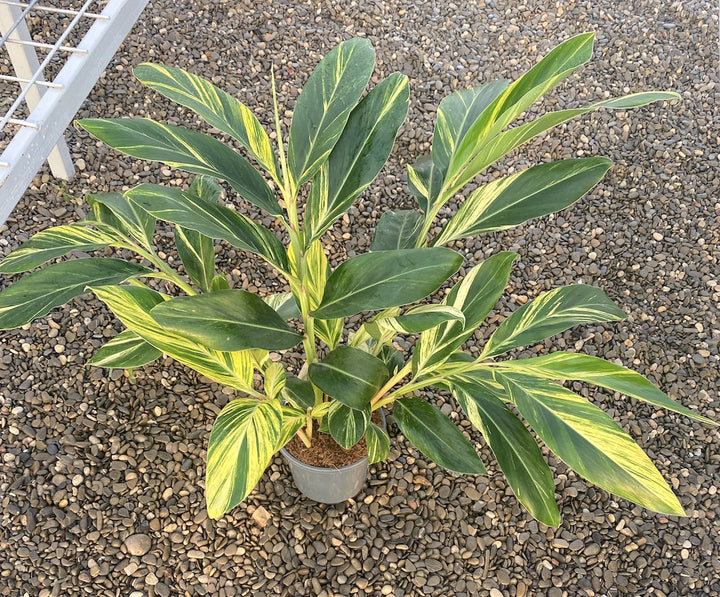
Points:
[[62, 11], [51, 54], [26, 65], [21, 80], [25, 153], [39, 44]]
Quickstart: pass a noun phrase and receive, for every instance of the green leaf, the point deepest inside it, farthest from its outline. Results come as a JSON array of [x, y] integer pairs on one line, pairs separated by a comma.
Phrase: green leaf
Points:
[[219, 282], [347, 425], [421, 318], [549, 314], [185, 149], [397, 230], [324, 106], [591, 443], [314, 276], [293, 420], [329, 331], [564, 366], [132, 305], [135, 220], [516, 450], [514, 199], [558, 64], [38, 293], [218, 108], [455, 114], [226, 320], [377, 442], [210, 219], [274, 379], [349, 375], [359, 154], [424, 182], [242, 442], [475, 295], [103, 218], [197, 254], [436, 436], [127, 350], [284, 304], [196, 250], [299, 392], [206, 187], [506, 141], [393, 358], [386, 279], [56, 242]]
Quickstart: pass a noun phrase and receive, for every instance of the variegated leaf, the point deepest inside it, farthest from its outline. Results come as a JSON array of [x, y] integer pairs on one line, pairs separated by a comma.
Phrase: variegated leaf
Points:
[[475, 295], [56, 242], [359, 154], [456, 114], [558, 64], [323, 108], [514, 199], [514, 447], [127, 350], [503, 143], [549, 314], [185, 149], [591, 443], [580, 367], [242, 442], [347, 425], [132, 305], [377, 442], [215, 106], [38, 293], [211, 219]]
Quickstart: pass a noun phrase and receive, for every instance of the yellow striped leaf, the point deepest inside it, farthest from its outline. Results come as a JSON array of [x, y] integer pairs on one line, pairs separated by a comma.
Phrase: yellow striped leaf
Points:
[[377, 442], [512, 200], [558, 64], [359, 154], [215, 106], [37, 293], [564, 366], [475, 295], [56, 242], [516, 450], [590, 442], [503, 143], [127, 350], [347, 425], [549, 314], [132, 305], [185, 149], [456, 114], [242, 442], [323, 108], [211, 219]]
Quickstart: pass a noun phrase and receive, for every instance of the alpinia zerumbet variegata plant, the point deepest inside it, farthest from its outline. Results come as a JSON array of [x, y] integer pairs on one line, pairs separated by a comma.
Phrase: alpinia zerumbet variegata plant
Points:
[[339, 139]]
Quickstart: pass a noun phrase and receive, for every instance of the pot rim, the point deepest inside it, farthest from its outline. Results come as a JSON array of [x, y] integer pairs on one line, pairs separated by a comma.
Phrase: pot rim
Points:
[[358, 463]]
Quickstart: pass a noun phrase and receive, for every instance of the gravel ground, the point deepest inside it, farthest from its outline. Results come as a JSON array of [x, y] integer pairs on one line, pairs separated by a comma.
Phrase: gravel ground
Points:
[[101, 473]]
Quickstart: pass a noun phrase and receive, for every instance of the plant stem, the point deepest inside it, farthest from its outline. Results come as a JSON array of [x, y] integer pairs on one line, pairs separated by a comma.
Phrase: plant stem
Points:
[[303, 438], [391, 382]]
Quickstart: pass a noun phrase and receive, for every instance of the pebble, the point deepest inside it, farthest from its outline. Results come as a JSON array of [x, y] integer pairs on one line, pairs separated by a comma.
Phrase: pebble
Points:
[[138, 544], [90, 456]]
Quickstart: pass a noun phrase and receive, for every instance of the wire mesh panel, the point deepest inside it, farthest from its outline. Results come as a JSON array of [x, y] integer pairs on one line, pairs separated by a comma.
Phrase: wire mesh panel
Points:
[[51, 54]]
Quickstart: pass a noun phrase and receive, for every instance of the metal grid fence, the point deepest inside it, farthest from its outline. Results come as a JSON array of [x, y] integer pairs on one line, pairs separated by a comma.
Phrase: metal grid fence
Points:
[[39, 98]]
